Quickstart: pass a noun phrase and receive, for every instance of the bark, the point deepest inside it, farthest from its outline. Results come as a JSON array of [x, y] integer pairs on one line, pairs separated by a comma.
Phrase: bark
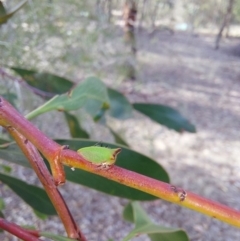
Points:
[[154, 15], [141, 18], [129, 16], [109, 10]]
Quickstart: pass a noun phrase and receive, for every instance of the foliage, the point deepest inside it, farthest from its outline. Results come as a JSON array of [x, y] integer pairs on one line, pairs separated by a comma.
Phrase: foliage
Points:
[[30, 193], [5, 15], [143, 225]]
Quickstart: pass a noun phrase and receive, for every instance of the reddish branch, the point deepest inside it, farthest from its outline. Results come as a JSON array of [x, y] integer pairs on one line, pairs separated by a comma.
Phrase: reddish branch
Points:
[[23, 234], [10, 117], [46, 179], [157, 188]]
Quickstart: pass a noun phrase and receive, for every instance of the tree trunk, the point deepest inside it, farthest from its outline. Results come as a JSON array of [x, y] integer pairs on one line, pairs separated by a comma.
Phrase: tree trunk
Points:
[[154, 15], [141, 18], [129, 15], [109, 10], [226, 22]]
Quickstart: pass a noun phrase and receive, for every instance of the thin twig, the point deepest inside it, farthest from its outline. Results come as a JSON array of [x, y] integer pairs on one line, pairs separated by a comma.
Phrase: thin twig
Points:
[[44, 176], [18, 231]]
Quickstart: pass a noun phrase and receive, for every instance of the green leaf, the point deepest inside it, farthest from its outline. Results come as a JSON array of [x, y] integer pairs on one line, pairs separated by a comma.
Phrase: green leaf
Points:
[[166, 116], [74, 126], [13, 154], [3, 142], [100, 116], [143, 225], [49, 84], [10, 97], [2, 204], [91, 88], [2, 9], [120, 108], [117, 137], [29, 227], [40, 215], [96, 110], [34, 196], [128, 159], [55, 237], [5, 168], [4, 17]]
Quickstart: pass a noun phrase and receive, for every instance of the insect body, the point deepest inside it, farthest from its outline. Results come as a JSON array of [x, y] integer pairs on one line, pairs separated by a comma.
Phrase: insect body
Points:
[[101, 156]]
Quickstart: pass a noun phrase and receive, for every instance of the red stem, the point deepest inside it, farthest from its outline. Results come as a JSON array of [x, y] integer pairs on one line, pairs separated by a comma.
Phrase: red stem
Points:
[[18, 231], [9, 117], [157, 188], [44, 176]]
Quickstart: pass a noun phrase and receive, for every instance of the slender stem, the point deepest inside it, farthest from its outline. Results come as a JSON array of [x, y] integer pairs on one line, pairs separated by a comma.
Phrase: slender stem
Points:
[[157, 188], [18, 231], [44, 176]]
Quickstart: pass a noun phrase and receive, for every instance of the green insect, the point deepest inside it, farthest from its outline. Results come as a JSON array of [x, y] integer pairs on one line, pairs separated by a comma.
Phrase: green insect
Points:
[[101, 156]]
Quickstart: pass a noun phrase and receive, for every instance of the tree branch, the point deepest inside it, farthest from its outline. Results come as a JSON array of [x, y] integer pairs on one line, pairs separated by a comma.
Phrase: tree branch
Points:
[[18, 231], [9, 116], [44, 176]]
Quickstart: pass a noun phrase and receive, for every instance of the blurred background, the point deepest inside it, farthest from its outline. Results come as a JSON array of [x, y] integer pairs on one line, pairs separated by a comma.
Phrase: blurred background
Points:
[[76, 38], [184, 54]]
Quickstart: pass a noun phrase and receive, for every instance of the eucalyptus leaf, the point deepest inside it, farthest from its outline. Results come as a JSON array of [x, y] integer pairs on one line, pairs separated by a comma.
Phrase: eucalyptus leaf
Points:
[[4, 17], [2, 9], [2, 204], [5, 168], [40, 215], [2, 216], [10, 97], [13, 154], [134, 213], [55, 237], [34, 196], [91, 88], [120, 108], [73, 124], [117, 137], [166, 116], [48, 84], [3, 141]]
